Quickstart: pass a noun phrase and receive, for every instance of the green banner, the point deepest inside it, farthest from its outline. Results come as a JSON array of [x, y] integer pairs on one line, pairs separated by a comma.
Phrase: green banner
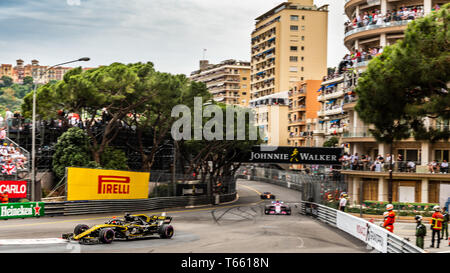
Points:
[[21, 210]]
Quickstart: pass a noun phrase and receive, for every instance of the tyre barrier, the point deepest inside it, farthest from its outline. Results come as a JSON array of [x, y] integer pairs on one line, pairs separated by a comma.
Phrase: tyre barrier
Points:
[[67, 208]]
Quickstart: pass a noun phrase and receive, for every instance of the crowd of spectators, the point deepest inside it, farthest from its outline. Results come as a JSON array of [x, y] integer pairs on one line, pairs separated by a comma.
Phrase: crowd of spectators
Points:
[[366, 163], [12, 158], [375, 17]]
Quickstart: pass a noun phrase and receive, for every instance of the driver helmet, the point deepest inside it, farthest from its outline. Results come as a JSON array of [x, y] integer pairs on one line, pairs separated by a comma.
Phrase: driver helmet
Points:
[[385, 214], [418, 218], [436, 208]]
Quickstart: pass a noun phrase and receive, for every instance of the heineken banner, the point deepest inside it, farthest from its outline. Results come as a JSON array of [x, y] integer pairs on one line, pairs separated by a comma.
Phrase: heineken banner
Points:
[[21, 210], [15, 189], [293, 155]]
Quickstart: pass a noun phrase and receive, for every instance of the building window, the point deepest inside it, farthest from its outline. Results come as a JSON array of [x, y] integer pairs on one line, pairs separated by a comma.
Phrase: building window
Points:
[[294, 48], [303, 38], [244, 78], [303, 58], [303, 48], [293, 69], [294, 17], [293, 58], [303, 27], [303, 69], [294, 27], [303, 17]]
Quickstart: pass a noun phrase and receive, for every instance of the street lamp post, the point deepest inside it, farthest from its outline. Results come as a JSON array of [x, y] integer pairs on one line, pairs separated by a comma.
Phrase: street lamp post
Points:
[[33, 132]]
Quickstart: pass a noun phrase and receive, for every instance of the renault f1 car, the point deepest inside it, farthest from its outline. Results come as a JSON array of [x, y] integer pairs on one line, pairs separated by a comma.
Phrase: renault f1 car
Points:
[[267, 195], [277, 208], [131, 227]]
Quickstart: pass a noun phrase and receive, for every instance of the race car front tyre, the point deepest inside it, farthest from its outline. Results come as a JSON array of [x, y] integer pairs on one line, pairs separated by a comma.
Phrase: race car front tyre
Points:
[[80, 229], [166, 232], [106, 235]]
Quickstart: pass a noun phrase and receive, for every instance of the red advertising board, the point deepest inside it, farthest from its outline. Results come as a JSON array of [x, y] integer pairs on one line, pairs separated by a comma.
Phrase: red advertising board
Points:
[[15, 189]]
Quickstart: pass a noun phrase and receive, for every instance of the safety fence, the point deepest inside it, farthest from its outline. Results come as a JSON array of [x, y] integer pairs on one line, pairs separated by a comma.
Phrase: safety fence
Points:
[[377, 237], [313, 185], [114, 206]]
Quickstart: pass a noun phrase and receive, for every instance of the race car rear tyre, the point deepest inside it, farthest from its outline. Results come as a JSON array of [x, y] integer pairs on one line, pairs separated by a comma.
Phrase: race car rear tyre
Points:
[[166, 232], [80, 229], [106, 235]]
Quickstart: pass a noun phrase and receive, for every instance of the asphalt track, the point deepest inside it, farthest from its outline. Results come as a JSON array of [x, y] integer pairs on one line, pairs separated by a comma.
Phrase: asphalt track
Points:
[[238, 227]]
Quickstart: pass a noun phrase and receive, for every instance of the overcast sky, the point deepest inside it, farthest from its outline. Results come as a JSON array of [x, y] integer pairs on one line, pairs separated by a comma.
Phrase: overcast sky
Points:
[[170, 33]]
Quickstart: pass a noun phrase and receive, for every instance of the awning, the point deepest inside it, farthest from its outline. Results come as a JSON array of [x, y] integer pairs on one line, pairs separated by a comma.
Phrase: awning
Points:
[[331, 85], [331, 101], [320, 89]]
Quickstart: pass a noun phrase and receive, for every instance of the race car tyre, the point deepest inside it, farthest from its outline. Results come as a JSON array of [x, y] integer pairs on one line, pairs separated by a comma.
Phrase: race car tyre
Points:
[[166, 232], [80, 229], [106, 235]]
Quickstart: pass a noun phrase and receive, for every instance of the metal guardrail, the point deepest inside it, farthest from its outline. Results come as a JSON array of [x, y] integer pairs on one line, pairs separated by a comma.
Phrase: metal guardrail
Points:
[[113, 206], [395, 244]]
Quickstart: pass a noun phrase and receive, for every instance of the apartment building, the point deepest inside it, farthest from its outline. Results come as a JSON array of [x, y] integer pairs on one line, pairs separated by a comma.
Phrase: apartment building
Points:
[[228, 82], [288, 45], [417, 175], [271, 114], [303, 108]]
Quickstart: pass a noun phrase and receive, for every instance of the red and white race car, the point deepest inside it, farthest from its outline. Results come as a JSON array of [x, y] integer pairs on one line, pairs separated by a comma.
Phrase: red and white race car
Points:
[[277, 208]]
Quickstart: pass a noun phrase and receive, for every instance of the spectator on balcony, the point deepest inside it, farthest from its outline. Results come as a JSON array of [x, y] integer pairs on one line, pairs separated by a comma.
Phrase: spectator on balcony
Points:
[[388, 17], [401, 166], [433, 167], [444, 166], [411, 166]]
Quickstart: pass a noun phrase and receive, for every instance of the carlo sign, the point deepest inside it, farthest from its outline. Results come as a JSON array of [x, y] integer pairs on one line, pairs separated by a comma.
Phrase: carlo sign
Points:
[[15, 189], [96, 184], [293, 155]]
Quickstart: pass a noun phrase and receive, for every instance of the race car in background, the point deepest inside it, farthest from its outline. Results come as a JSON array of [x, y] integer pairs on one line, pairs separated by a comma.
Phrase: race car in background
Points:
[[267, 195], [131, 227], [277, 208]]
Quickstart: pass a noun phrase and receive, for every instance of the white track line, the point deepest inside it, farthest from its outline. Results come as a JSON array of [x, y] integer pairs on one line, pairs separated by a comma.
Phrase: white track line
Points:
[[43, 241]]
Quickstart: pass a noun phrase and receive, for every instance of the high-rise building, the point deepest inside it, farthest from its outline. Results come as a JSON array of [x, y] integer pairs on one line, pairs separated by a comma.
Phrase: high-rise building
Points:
[[303, 107], [228, 82], [288, 45]]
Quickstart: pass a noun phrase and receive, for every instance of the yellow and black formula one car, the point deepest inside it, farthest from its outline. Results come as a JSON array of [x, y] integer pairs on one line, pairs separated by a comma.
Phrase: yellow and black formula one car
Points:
[[131, 227]]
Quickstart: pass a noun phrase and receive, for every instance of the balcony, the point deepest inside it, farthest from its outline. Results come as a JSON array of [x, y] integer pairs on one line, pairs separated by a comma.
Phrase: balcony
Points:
[[334, 95], [297, 122], [394, 26], [335, 111]]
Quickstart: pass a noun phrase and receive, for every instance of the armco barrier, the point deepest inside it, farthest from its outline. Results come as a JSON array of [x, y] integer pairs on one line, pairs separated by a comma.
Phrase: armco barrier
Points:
[[328, 215], [113, 206]]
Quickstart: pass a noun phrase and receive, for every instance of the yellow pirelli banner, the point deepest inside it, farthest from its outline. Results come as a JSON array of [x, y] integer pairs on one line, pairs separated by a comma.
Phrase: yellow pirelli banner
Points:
[[95, 184]]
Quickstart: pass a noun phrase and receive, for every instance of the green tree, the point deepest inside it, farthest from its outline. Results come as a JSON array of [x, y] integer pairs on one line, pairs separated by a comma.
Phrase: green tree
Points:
[[170, 91], [115, 90], [7, 81], [28, 80], [332, 142], [72, 150]]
